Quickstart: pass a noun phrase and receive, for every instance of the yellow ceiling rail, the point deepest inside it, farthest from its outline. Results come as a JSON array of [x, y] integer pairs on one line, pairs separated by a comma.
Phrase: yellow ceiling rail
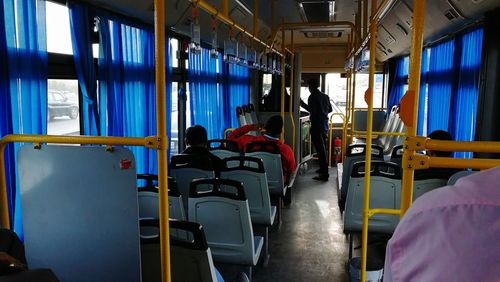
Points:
[[369, 131], [230, 22], [161, 132]]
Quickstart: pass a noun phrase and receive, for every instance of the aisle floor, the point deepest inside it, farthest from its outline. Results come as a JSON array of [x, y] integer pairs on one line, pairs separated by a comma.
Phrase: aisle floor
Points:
[[310, 245]]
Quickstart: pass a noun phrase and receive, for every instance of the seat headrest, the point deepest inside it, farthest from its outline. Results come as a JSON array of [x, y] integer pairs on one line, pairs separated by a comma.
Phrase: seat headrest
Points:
[[243, 163], [223, 144], [378, 168], [245, 108], [435, 173], [359, 149], [191, 161], [263, 146], [173, 190], [198, 240], [218, 189], [251, 107], [397, 152], [239, 111]]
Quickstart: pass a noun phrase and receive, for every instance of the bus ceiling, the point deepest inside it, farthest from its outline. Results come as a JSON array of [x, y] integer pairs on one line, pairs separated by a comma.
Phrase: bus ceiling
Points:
[[394, 29]]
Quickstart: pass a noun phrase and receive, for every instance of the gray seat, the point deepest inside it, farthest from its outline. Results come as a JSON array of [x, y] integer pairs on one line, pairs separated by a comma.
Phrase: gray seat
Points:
[[253, 114], [388, 126], [148, 200], [354, 153], [385, 192], [269, 153], [397, 155], [455, 177], [185, 168], [191, 260], [250, 171], [430, 179], [225, 216], [241, 116], [223, 148]]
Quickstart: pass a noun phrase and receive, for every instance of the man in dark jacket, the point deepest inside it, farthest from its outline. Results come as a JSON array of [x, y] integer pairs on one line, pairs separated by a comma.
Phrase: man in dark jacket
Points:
[[196, 144], [318, 105]]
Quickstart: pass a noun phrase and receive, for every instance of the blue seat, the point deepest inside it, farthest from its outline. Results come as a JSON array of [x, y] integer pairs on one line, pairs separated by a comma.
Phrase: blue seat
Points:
[[430, 179], [223, 148], [191, 258], [385, 192], [354, 153], [224, 213], [250, 171], [184, 168]]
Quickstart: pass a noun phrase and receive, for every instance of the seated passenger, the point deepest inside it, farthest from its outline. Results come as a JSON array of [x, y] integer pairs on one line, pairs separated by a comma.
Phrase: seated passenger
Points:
[[196, 144], [439, 135], [273, 127], [449, 234]]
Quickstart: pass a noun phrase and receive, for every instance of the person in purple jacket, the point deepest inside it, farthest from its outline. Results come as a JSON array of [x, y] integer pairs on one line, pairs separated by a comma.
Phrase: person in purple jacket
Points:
[[450, 234]]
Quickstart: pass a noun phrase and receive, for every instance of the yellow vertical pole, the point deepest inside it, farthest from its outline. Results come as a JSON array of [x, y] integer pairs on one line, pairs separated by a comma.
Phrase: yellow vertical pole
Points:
[[413, 85], [369, 128], [292, 89], [359, 24], [347, 113], [283, 73], [353, 100], [225, 7], [5, 221], [161, 132], [255, 17], [365, 18]]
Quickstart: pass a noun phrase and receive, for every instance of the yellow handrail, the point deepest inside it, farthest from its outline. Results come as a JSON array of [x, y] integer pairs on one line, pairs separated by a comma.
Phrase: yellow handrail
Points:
[[369, 130], [120, 141], [363, 133], [227, 131], [161, 132], [283, 90], [330, 135], [292, 89]]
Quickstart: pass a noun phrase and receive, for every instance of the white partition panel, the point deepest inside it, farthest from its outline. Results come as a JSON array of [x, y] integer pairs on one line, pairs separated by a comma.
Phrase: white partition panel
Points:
[[80, 212]]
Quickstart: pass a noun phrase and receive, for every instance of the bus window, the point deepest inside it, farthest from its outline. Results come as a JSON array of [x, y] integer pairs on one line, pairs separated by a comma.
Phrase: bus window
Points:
[[58, 29], [63, 107]]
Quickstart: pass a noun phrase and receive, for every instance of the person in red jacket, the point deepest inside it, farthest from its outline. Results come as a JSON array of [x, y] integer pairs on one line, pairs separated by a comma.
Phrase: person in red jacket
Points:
[[273, 127]]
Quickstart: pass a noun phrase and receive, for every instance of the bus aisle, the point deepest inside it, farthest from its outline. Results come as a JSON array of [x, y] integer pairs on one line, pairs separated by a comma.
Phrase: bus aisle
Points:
[[310, 245]]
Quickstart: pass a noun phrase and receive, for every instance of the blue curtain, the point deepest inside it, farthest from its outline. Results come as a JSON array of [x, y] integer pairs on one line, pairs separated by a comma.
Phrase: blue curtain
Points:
[[127, 86], [238, 93], [440, 81], [464, 101], [23, 82], [398, 86], [424, 69], [82, 29], [204, 94]]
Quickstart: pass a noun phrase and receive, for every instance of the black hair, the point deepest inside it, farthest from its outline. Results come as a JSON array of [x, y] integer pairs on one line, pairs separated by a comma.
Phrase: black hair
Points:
[[313, 83], [274, 125], [441, 135], [196, 135]]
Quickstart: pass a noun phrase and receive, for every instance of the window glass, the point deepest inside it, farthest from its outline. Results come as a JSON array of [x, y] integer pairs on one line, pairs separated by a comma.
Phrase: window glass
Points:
[[335, 88], [362, 86], [63, 107], [58, 29], [174, 43], [174, 116]]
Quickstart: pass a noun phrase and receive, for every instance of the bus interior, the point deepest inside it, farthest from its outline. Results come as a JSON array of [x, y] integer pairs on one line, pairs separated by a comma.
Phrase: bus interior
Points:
[[97, 178]]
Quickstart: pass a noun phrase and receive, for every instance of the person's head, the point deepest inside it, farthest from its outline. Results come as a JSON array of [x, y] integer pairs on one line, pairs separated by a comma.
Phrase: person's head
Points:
[[196, 136], [313, 84], [274, 126], [439, 135]]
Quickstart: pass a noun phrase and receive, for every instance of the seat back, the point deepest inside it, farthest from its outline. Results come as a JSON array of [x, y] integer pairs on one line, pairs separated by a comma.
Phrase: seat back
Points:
[[248, 116], [224, 214], [253, 113], [241, 116], [191, 260], [185, 168], [385, 192], [455, 177], [355, 153], [223, 148], [148, 200], [393, 128], [430, 179], [388, 124], [250, 171], [269, 153], [397, 155]]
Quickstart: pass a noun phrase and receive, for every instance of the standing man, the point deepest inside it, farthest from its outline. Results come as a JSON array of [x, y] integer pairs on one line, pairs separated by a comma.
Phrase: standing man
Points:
[[318, 106]]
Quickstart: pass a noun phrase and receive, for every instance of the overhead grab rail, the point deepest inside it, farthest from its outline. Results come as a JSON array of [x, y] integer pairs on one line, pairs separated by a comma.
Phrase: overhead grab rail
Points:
[[230, 22]]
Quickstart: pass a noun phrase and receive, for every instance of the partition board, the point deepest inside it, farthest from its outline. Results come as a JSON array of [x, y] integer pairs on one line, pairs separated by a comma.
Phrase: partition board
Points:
[[80, 212]]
